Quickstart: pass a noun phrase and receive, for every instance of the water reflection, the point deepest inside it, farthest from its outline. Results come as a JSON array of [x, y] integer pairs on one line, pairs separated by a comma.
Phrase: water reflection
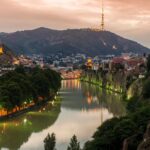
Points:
[[84, 107], [14, 133], [87, 96]]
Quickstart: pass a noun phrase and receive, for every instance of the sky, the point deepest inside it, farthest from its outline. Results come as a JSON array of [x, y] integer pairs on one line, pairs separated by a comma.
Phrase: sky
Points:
[[128, 18]]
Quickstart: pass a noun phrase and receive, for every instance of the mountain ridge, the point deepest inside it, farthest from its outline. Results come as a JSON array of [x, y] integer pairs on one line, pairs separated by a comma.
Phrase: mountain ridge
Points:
[[47, 41]]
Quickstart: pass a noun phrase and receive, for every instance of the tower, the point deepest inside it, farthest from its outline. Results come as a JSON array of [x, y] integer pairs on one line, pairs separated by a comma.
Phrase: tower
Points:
[[102, 27]]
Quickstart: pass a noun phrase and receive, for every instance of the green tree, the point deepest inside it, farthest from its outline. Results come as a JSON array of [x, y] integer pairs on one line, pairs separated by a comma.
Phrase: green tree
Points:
[[54, 79], [148, 63], [12, 93], [19, 86], [20, 69], [5, 103], [41, 84], [124, 129], [50, 142], [146, 89], [74, 144], [101, 136]]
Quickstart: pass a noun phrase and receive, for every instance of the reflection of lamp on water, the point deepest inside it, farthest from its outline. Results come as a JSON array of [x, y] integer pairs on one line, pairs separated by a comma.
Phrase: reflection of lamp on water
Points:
[[1, 110], [25, 120], [89, 99], [53, 102]]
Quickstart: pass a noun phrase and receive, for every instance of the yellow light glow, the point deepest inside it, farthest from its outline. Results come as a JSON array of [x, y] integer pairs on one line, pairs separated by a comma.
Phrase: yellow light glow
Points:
[[1, 51], [89, 60], [25, 120], [16, 61]]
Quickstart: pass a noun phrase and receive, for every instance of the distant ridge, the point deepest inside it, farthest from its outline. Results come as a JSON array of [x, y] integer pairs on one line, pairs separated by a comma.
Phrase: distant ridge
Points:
[[47, 41]]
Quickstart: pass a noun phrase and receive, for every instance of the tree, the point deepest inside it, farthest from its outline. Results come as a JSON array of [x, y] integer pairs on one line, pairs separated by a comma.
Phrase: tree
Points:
[[124, 129], [41, 84], [54, 79], [20, 69], [19, 86], [148, 63], [101, 136], [50, 142], [12, 93], [74, 144], [146, 89]]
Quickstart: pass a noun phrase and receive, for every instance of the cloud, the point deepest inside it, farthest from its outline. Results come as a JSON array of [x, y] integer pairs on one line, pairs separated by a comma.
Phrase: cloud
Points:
[[130, 18]]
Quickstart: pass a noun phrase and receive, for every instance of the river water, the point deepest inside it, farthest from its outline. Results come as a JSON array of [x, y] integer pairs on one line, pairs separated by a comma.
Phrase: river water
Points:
[[82, 109]]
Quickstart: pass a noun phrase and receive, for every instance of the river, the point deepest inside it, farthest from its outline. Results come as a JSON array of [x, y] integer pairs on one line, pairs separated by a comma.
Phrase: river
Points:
[[82, 109]]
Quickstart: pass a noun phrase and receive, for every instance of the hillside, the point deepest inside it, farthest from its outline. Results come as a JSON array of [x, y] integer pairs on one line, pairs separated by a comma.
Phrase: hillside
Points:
[[6, 55], [46, 41]]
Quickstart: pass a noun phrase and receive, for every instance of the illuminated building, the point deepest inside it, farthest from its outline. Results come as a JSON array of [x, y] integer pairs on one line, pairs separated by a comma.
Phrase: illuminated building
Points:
[[16, 61], [89, 63], [1, 50]]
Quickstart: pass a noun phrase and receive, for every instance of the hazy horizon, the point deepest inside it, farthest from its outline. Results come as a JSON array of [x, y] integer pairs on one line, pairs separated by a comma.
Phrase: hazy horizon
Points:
[[127, 18]]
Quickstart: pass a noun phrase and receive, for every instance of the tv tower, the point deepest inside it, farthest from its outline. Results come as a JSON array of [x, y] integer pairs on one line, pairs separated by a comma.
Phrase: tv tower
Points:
[[102, 26]]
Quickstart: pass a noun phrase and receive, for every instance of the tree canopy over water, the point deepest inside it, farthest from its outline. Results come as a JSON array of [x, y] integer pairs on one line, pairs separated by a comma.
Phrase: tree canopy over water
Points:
[[20, 86]]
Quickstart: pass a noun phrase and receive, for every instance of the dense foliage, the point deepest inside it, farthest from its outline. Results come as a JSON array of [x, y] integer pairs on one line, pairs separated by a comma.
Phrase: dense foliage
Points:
[[146, 89], [111, 135], [148, 64], [137, 102], [20, 87]]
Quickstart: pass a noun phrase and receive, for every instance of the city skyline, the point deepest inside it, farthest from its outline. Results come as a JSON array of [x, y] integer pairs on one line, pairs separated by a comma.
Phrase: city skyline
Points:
[[128, 18]]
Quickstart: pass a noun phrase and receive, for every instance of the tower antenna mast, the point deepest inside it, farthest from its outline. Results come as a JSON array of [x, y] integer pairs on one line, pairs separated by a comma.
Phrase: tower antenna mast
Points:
[[102, 17]]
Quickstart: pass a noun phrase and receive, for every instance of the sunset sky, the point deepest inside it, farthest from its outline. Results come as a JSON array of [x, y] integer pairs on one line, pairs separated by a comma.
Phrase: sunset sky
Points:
[[128, 18]]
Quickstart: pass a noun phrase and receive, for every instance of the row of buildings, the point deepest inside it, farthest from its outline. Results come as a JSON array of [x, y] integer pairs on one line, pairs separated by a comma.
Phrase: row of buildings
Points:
[[131, 64]]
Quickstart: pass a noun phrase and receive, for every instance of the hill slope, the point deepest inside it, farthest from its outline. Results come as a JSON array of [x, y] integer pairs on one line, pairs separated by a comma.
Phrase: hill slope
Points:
[[47, 41], [6, 55]]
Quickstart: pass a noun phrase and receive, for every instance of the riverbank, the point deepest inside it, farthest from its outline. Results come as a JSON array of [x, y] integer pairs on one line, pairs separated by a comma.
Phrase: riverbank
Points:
[[25, 110], [22, 90], [130, 131], [100, 85], [70, 78], [26, 125]]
